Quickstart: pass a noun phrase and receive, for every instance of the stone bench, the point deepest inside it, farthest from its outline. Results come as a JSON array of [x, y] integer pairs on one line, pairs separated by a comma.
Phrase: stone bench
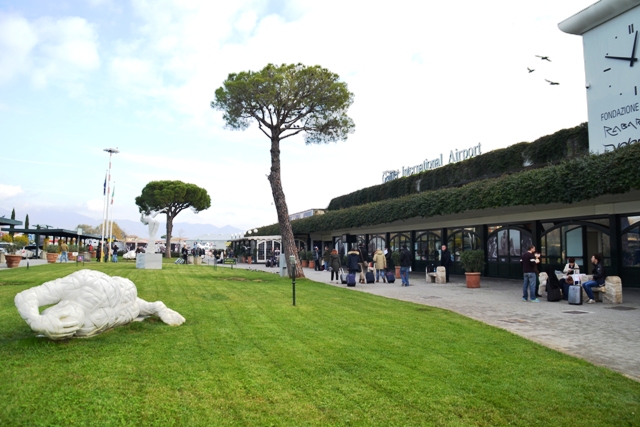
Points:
[[610, 293], [440, 276]]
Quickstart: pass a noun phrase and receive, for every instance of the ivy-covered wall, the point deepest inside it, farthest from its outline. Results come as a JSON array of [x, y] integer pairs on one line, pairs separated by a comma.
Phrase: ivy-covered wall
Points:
[[550, 149], [571, 181]]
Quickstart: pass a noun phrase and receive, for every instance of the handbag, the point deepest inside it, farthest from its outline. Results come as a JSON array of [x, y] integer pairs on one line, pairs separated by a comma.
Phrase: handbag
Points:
[[359, 270]]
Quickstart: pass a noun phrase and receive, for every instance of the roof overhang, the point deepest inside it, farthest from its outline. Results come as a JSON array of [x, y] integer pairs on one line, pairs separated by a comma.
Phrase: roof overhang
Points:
[[596, 14]]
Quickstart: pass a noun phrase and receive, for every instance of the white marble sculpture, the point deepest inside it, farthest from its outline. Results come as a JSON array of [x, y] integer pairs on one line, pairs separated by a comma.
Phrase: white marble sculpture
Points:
[[87, 303], [149, 219]]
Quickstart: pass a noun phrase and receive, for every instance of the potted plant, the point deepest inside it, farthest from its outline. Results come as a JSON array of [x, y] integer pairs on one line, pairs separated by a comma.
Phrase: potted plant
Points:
[[395, 255], [13, 257], [312, 262], [473, 264], [52, 253], [303, 258]]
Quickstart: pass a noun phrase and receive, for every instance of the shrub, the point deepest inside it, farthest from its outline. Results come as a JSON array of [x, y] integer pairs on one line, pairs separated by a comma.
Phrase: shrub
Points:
[[472, 260]]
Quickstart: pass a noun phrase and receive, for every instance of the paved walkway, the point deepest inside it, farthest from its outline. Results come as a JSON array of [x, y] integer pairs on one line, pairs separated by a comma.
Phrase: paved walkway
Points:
[[603, 334]]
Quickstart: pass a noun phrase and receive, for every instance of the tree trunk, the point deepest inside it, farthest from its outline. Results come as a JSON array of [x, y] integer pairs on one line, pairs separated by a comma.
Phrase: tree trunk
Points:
[[167, 249], [286, 232]]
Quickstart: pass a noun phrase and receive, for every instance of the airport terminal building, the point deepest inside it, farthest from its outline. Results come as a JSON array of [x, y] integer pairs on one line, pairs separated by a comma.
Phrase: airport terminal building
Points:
[[550, 193]]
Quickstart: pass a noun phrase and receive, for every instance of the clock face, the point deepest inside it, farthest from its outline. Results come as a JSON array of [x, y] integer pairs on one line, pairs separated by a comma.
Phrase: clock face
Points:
[[612, 68]]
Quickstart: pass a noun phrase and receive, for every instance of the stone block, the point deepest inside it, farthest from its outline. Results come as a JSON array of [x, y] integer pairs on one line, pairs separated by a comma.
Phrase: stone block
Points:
[[149, 261], [544, 277], [441, 275], [613, 290]]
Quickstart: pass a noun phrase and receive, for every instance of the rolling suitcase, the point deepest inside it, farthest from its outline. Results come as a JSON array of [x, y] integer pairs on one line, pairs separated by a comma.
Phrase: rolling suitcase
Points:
[[351, 279], [575, 295], [391, 278], [343, 277], [370, 278], [554, 295]]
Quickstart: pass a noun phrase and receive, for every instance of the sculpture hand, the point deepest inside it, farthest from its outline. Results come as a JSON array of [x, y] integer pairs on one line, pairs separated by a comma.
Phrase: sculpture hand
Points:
[[60, 321]]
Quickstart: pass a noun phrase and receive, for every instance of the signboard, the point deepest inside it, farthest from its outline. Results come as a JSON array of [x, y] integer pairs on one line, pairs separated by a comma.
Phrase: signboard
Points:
[[454, 157]]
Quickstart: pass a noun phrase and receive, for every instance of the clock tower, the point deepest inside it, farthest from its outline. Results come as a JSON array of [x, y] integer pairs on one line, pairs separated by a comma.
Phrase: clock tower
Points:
[[609, 30]]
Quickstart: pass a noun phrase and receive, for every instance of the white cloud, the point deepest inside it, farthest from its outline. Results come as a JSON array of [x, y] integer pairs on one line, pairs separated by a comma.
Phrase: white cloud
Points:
[[8, 191], [49, 50], [17, 40]]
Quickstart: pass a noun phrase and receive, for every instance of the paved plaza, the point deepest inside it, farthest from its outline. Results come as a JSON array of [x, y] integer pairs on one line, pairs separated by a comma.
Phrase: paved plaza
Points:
[[603, 334]]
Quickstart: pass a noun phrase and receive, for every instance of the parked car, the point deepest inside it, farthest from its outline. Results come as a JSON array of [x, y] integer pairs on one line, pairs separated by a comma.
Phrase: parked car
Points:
[[32, 250]]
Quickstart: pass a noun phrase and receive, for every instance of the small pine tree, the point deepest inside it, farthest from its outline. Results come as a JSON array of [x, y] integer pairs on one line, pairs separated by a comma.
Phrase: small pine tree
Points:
[[11, 227]]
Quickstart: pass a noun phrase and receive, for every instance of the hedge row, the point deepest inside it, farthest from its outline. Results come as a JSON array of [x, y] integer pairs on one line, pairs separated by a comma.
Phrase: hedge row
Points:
[[551, 149], [571, 181]]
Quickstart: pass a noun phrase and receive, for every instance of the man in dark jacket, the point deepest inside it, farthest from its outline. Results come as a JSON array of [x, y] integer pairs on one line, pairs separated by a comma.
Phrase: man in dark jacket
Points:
[[598, 277], [529, 261], [353, 259], [445, 260], [405, 265]]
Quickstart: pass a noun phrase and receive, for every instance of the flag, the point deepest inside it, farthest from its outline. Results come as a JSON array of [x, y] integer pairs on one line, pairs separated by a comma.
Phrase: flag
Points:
[[104, 189], [113, 192]]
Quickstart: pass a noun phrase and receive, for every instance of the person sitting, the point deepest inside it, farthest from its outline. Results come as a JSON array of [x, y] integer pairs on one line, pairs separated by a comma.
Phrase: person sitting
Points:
[[571, 267], [598, 277], [564, 285]]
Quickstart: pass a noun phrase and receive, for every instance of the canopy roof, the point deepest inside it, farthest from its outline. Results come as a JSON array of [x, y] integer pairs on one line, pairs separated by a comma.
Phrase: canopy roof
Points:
[[54, 232], [7, 221]]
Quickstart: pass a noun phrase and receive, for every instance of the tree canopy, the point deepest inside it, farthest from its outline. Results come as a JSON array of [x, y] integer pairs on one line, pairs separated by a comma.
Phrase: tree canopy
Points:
[[287, 100], [171, 198]]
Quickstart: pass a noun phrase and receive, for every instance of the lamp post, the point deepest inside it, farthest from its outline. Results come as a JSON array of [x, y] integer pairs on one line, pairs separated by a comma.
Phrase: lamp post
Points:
[[292, 263]]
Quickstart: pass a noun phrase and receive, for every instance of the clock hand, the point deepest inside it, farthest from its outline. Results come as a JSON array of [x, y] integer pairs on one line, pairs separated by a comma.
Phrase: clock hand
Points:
[[624, 58], [633, 50]]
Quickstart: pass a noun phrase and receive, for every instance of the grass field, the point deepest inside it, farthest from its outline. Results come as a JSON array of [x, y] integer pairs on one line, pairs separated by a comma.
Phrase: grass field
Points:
[[246, 356]]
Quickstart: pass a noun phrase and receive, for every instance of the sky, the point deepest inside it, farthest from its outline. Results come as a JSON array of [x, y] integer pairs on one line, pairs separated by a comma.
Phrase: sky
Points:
[[80, 76]]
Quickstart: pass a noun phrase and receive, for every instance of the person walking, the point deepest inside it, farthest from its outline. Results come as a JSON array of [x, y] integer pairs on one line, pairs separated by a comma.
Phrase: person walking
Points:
[[64, 249], [316, 258], [445, 260], [529, 261], [598, 277], [353, 261], [99, 253], [326, 258], [390, 264], [335, 264], [185, 253], [405, 265], [380, 264], [364, 265], [114, 253]]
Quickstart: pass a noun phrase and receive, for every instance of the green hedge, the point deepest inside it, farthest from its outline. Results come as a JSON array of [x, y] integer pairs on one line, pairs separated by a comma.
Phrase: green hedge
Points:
[[572, 181], [551, 149]]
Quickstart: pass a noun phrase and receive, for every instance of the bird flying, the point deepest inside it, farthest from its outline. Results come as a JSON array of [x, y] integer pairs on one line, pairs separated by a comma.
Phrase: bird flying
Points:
[[551, 83], [544, 58], [530, 70]]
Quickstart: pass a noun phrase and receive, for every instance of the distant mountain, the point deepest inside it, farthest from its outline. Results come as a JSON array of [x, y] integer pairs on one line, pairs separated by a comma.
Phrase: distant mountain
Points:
[[70, 220]]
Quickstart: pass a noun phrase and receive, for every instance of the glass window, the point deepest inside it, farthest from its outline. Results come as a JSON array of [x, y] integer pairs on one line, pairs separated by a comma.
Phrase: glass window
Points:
[[631, 248], [553, 247], [573, 238], [503, 244], [376, 242], [630, 220], [514, 242], [462, 240], [399, 239], [427, 246]]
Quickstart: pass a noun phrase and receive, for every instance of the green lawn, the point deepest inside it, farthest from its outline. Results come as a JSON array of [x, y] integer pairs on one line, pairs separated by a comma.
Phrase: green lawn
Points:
[[246, 356]]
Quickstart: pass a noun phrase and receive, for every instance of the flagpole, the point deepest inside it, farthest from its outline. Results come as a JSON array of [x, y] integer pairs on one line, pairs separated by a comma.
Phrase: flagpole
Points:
[[104, 212], [111, 152], [111, 227]]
